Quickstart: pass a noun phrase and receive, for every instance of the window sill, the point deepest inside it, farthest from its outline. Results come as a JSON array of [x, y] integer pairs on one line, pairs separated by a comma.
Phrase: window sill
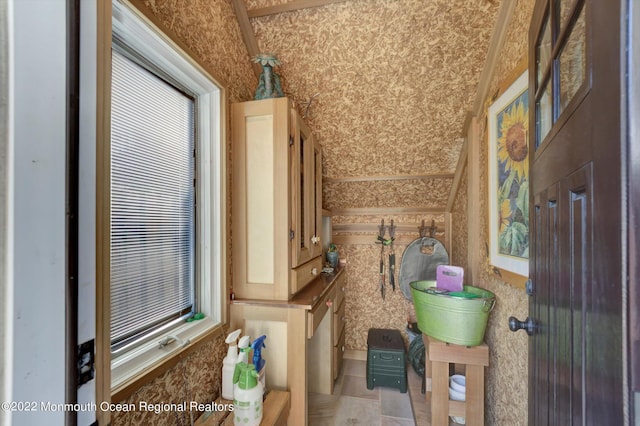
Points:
[[132, 371]]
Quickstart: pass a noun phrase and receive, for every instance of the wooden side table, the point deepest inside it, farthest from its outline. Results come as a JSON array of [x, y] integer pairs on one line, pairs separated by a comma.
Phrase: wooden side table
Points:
[[439, 355]]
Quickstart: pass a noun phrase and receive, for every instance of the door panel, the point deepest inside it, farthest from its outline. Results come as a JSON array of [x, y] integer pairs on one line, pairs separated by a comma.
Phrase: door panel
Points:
[[576, 351], [545, 243], [578, 217]]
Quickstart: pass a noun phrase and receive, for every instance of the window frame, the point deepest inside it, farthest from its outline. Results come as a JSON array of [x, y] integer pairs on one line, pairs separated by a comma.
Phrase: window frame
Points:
[[134, 30], [560, 34]]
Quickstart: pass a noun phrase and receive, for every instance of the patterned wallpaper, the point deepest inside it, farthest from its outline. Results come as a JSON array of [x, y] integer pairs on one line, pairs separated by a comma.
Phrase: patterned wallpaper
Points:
[[507, 374], [459, 224], [429, 192], [197, 377], [394, 78], [211, 32]]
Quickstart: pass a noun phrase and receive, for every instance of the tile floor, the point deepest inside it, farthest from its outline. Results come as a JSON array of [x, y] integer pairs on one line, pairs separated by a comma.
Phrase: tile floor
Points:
[[353, 404]]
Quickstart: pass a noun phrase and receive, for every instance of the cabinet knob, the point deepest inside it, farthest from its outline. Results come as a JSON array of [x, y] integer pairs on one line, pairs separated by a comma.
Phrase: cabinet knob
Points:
[[329, 303], [342, 348], [315, 240], [314, 271]]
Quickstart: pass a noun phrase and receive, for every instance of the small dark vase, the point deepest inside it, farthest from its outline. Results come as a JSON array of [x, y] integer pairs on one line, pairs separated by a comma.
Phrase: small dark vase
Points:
[[332, 258]]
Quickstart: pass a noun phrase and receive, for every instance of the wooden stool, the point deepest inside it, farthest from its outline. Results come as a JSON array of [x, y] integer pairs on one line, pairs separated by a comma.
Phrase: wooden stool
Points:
[[438, 357]]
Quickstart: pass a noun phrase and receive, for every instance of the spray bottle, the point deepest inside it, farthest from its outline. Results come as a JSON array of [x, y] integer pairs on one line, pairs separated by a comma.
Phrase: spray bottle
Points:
[[244, 347], [247, 396], [229, 364], [259, 363]]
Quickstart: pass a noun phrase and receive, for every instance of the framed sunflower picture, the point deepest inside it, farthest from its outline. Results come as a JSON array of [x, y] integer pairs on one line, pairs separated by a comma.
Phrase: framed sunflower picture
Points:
[[509, 179]]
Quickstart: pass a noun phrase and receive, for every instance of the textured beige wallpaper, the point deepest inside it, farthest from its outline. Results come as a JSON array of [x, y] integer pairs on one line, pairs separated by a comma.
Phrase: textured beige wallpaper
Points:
[[210, 30], [507, 375], [198, 377], [394, 78], [398, 193], [459, 225]]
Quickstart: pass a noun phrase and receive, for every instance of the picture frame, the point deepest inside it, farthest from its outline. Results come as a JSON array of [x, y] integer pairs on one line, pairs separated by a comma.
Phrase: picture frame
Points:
[[508, 186]]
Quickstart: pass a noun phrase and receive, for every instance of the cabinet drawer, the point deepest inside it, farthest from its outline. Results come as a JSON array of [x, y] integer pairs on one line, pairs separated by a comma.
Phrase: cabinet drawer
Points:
[[341, 287], [315, 316], [338, 321], [304, 274], [338, 355]]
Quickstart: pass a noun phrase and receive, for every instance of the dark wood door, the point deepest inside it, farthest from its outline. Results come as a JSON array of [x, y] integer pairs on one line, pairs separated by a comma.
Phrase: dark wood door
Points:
[[575, 352]]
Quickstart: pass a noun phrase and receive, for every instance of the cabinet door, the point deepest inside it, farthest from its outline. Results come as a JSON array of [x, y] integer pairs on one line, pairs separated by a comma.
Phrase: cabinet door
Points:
[[302, 189], [316, 202], [261, 222]]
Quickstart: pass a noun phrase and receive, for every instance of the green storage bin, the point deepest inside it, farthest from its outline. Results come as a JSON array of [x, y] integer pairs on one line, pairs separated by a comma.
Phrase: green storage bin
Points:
[[457, 320], [386, 359]]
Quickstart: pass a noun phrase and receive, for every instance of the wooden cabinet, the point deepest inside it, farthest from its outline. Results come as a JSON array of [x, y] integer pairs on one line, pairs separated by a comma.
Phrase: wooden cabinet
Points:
[[286, 347], [306, 197], [301, 343], [316, 204], [326, 324], [277, 200], [339, 307], [277, 253], [320, 347]]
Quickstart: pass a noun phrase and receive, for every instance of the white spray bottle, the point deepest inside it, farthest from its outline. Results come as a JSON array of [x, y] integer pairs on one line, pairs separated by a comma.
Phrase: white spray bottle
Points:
[[229, 364], [244, 347]]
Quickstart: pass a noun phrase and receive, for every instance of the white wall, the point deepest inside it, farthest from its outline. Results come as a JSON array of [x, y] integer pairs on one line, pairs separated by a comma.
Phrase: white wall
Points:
[[37, 334], [87, 194], [4, 213]]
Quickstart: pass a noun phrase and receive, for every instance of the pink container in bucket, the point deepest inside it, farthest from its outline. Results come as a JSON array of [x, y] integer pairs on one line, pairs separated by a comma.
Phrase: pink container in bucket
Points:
[[449, 277]]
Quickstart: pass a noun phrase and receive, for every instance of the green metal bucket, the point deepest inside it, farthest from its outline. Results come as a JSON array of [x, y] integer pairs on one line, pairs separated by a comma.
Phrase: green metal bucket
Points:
[[457, 320]]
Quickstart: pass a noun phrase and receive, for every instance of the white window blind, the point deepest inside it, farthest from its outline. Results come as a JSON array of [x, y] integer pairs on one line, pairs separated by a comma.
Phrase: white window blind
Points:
[[152, 202]]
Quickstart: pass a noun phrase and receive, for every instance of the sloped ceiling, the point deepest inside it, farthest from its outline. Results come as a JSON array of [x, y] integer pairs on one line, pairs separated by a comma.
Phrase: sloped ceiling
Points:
[[394, 80]]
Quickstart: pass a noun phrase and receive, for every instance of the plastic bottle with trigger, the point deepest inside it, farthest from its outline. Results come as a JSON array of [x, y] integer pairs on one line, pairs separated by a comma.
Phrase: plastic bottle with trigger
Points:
[[258, 361], [247, 396], [229, 364], [243, 346]]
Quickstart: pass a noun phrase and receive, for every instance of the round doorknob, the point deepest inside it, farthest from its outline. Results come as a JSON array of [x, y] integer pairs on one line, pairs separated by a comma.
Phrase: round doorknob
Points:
[[527, 325]]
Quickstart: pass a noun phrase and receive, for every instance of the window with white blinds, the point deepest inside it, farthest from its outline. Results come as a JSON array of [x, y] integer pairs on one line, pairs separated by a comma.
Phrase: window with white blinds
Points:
[[153, 216], [165, 201]]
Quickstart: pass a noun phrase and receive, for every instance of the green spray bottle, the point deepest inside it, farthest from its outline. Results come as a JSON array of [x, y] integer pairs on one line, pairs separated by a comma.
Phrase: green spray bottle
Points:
[[247, 396]]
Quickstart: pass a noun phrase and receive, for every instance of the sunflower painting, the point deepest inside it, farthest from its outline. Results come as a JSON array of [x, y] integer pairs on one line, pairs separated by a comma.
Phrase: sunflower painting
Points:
[[509, 178]]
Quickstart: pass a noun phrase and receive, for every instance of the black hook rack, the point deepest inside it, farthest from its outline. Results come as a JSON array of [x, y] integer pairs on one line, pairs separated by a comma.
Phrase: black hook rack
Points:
[[423, 229], [382, 231]]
